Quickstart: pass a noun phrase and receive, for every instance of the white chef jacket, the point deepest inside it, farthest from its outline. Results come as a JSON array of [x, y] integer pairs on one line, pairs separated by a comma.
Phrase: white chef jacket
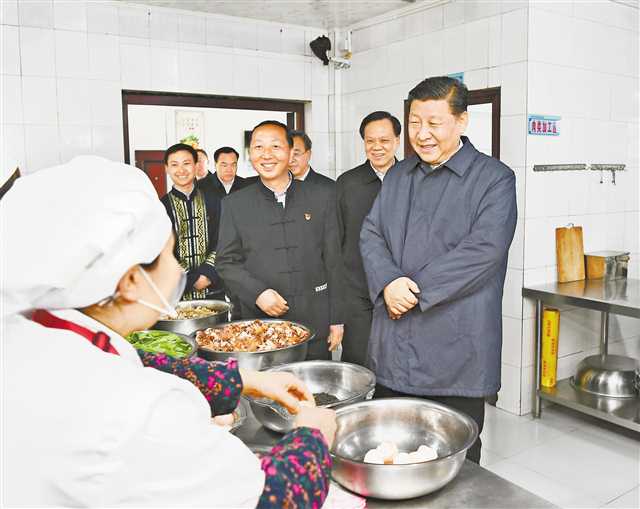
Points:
[[83, 427]]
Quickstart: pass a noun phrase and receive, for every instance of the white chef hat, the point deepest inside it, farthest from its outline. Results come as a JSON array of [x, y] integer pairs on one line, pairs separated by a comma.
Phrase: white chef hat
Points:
[[69, 233]]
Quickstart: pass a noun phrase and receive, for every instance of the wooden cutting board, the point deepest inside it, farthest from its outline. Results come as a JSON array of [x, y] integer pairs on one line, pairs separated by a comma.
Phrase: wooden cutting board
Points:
[[570, 253]]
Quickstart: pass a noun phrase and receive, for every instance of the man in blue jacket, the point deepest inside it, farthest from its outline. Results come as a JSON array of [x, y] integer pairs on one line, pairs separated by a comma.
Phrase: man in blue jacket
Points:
[[435, 248]]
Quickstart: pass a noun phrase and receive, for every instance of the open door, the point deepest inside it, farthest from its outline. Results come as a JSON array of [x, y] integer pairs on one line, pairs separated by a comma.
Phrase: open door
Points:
[[152, 163]]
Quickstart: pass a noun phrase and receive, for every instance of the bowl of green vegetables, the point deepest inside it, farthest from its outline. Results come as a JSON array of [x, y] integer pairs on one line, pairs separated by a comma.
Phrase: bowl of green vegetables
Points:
[[173, 344]]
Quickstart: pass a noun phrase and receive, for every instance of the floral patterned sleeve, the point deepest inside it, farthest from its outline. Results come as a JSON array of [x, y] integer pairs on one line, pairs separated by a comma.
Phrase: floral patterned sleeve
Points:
[[297, 471], [219, 382]]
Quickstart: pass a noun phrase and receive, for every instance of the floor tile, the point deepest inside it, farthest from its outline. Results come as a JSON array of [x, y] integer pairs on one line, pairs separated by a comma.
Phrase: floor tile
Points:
[[630, 500], [488, 457]]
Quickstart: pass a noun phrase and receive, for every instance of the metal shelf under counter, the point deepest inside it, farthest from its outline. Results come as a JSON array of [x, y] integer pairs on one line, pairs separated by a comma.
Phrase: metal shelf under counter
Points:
[[619, 296]]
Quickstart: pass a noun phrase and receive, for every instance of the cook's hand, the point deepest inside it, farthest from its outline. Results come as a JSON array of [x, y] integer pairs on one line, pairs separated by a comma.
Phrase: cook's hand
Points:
[[336, 332], [272, 303], [323, 419], [283, 388], [399, 296], [223, 420], [201, 283]]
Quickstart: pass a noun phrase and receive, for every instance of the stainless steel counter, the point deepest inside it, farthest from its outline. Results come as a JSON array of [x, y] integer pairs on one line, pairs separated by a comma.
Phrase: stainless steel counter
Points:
[[620, 296], [473, 487]]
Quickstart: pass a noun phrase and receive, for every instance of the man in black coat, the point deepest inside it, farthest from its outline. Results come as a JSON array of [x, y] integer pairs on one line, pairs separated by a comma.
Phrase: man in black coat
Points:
[[300, 158], [278, 248], [356, 191], [225, 180]]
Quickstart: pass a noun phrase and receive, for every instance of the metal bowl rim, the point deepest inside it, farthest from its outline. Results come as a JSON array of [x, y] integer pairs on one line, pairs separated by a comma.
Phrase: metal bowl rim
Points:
[[311, 332], [243, 413], [200, 302], [264, 402], [580, 388], [439, 406], [184, 337]]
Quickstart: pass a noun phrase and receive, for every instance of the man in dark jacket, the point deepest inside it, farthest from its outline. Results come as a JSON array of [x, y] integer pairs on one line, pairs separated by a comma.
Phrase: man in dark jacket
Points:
[[356, 190], [300, 162], [278, 248], [435, 248], [225, 179]]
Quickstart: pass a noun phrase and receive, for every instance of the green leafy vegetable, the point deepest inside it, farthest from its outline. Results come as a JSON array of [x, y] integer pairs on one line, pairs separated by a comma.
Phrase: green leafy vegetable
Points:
[[156, 341]]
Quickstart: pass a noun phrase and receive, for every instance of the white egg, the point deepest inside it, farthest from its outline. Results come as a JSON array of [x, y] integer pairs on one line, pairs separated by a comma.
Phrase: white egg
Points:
[[402, 458], [373, 456], [388, 450]]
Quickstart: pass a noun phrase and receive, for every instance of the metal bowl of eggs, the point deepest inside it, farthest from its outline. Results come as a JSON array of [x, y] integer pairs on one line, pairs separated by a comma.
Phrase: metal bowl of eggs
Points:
[[412, 447]]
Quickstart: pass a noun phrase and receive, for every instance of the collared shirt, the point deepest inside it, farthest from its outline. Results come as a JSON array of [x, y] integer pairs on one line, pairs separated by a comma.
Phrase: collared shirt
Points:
[[306, 174], [436, 166], [227, 187], [186, 195], [381, 174], [281, 197]]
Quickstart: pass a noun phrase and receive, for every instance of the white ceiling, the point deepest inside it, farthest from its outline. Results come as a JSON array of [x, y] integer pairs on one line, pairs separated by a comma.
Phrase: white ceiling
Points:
[[313, 13]]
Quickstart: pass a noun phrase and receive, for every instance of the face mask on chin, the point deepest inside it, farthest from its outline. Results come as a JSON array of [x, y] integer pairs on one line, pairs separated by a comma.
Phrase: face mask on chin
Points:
[[169, 304]]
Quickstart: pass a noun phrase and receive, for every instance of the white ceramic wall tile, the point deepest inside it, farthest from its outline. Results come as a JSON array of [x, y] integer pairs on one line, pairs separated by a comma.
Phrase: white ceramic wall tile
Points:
[[293, 41], [11, 100], [514, 87], [624, 99], [70, 14], [219, 72], [135, 66], [245, 75], [512, 294], [39, 103], [271, 82], [546, 195], [41, 155], [133, 21], [192, 29], [219, 32], [513, 137], [319, 78], [12, 153], [102, 18], [539, 234], [72, 54], [511, 341], [413, 24], [10, 63], [629, 500], [9, 12], [508, 397], [245, 35], [270, 38], [528, 341], [453, 13], [632, 231], [192, 76], [454, 49], [321, 152], [75, 140], [107, 142], [394, 31], [495, 41], [433, 19], [320, 114], [516, 251], [543, 29], [36, 13], [606, 13], [106, 103], [73, 101], [477, 79], [433, 54], [564, 7], [163, 25], [477, 9], [514, 36], [104, 57], [165, 74], [476, 40], [37, 51]]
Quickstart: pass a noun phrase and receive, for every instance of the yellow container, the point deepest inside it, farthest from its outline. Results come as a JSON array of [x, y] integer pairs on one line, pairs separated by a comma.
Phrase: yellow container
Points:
[[550, 336]]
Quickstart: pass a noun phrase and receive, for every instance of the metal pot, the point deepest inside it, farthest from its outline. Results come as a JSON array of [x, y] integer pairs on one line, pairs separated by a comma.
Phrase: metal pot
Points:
[[614, 376], [409, 423], [349, 383], [221, 315], [260, 360]]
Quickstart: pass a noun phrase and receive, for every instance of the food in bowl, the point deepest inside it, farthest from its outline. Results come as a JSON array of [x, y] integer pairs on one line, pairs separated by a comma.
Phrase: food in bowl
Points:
[[324, 398], [193, 312], [387, 453], [158, 341], [255, 336]]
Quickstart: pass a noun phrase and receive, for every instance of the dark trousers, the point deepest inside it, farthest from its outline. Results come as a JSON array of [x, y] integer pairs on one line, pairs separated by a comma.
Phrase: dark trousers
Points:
[[357, 328], [473, 407], [318, 350]]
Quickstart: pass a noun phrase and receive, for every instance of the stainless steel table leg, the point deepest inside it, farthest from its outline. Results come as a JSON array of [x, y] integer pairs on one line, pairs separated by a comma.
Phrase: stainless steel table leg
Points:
[[604, 333], [536, 402]]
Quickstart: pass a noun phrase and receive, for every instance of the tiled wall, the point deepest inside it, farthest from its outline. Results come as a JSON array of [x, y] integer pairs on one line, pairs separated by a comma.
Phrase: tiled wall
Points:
[[64, 64], [583, 66]]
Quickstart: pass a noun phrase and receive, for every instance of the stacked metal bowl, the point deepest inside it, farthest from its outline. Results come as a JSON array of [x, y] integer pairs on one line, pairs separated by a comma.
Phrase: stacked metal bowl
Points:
[[220, 311]]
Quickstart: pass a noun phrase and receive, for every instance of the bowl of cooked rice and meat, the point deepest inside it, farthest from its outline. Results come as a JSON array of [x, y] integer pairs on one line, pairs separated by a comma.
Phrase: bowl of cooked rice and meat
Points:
[[194, 315], [255, 344]]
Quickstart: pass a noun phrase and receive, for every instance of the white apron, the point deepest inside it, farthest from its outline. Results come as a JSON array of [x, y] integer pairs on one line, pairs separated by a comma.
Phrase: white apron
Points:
[[82, 427]]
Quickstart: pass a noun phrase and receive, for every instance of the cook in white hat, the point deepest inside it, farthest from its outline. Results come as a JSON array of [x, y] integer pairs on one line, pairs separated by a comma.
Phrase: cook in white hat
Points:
[[87, 257]]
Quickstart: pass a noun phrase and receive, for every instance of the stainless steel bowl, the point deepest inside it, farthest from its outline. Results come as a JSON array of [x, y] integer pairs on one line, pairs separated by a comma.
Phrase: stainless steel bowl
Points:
[[349, 383], [260, 360], [240, 415], [608, 375], [409, 423], [194, 324], [188, 339]]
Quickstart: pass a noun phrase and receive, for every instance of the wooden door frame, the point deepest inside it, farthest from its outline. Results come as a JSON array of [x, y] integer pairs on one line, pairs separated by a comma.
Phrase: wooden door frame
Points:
[[205, 101], [480, 96]]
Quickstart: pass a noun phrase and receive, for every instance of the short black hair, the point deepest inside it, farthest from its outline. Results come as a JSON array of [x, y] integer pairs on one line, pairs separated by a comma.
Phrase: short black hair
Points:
[[305, 139], [201, 150], [380, 115], [177, 148], [225, 150], [277, 124], [442, 87]]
